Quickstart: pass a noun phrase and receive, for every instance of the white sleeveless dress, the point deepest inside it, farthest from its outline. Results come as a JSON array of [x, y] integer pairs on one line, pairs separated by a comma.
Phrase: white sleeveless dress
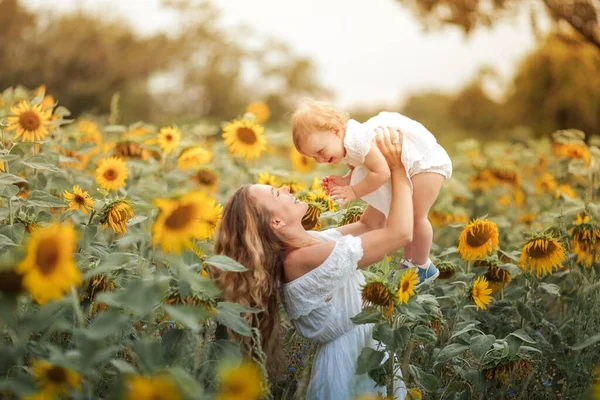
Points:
[[420, 153], [320, 305]]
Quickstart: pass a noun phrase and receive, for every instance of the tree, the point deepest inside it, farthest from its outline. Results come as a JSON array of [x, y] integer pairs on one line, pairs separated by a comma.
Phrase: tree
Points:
[[580, 15], [558, 87]]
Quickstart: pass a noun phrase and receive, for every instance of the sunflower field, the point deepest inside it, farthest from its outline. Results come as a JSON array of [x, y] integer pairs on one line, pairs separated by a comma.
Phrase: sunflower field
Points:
[[106, 256]]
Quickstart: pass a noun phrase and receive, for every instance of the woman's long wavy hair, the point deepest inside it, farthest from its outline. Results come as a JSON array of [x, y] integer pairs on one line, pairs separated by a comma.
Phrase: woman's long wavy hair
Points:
[[246, 236]]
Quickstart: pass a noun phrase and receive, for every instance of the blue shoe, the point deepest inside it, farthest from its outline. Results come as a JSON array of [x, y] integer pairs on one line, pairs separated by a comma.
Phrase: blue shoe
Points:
[[428, 274]]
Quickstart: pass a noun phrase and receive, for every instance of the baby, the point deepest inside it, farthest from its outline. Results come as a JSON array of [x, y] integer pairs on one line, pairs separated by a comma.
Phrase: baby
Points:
[[328, 136]]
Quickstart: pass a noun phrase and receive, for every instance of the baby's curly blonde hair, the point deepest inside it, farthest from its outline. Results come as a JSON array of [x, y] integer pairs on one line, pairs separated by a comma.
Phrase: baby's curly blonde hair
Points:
[[316, 116]]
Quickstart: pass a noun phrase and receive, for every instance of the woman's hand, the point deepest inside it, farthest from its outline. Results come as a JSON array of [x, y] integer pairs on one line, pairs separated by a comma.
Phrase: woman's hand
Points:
[[391, 149]]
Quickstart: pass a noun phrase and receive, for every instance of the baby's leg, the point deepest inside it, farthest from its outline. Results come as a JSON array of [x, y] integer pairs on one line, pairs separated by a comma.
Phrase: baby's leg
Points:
[[426, 187]]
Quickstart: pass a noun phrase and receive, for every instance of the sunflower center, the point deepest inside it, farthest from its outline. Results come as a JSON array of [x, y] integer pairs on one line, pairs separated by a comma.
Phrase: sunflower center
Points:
[[111, 174], [538, 250], [206, 177], [29, 120], [168, 137], [246, 135], [79, 200], [235, 388], [405, 285], [47, 255], [180, 217], [479, 237], [57, 375]]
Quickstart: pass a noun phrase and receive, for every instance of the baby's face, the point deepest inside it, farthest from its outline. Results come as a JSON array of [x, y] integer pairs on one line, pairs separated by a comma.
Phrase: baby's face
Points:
[[324, 147]]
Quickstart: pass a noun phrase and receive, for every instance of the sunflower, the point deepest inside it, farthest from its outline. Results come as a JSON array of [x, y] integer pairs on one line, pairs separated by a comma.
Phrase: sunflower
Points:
[[408, 283], [89, 132], [128, 150], [31, 123], [168, 139], [138, 132], [2, 166], [414, 394], [161, 387], [478, 239], [245, 138], [207, 179], [319, 196], [545, 183], [585, 243], [573, 150], [294, 186], [497, 277], [582, 218], [527, 218], [180, 220], [300, 162], [40, 395], [49, 268], [111, 173], [507, 176], [97, 284], [565, 190], [480, 293], [379, 293], [115, 216], [241, 382], [55, 379], [80, 162], [482, 181], [260, 110], [79, 200], [509, 371], [542, 254], [11, 282], [316, 184], [351, 215], [447, 270], [265, 178], [193, 157], [310, 220]]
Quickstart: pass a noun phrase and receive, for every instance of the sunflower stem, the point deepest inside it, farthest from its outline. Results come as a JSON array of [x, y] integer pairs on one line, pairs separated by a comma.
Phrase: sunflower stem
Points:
[[10, 214], [92, 214], [76, 309], [468, 266]]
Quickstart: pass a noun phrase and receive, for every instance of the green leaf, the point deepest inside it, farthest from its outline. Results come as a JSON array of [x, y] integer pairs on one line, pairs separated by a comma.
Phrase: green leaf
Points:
[[8, 157], [40, 198], [512, 269], [550, 288], [136, 220], [187, 384], [6, 241], [139, 296], [188, 315], [8, 191], [229, 315], [425, 333], [44, 166], [225, 263], [451, 351], [9, 179], [402, 337], [448, 251], [123, 367], [587, 342], [368, 360], [427, 381], [480, 344], [369, 315], [106, 323], [468, 328], [520, 333], [385, 334]]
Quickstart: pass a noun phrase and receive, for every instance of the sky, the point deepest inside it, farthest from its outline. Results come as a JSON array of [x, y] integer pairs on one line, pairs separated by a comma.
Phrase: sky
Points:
[[368, 52]]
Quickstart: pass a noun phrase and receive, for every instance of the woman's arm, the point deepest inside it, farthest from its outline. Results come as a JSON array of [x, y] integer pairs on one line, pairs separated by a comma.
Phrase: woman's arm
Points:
[[376, 243]]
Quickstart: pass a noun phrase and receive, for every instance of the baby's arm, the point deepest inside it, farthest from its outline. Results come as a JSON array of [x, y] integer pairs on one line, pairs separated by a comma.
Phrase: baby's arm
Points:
[[379, 172]]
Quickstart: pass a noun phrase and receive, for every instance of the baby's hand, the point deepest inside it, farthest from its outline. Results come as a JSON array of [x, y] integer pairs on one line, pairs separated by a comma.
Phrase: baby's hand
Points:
[[331, 181], [343, 193]]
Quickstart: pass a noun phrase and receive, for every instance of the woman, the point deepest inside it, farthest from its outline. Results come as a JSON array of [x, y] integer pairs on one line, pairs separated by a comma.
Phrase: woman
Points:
[[316, 273]]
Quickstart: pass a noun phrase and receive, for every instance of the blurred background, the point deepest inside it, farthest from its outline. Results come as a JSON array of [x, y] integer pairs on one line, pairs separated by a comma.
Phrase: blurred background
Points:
[[465, 68]]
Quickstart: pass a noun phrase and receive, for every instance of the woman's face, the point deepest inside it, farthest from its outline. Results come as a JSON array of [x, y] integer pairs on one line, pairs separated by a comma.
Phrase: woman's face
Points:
[[284, 208]]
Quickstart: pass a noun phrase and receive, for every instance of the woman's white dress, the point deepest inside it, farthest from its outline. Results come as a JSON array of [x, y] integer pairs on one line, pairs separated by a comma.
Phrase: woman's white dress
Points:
[[420, 152], [320, 305]]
